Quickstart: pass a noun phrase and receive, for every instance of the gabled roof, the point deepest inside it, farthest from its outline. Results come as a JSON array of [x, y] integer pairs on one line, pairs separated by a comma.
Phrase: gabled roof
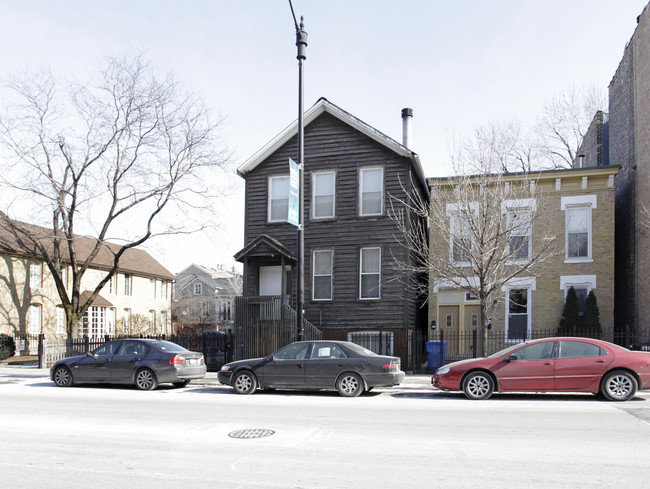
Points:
[[265, 245], [321, 106], [135, 261]]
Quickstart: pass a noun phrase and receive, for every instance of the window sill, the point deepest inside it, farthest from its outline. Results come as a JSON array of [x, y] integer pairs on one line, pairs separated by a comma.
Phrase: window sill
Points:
[[578, 260]]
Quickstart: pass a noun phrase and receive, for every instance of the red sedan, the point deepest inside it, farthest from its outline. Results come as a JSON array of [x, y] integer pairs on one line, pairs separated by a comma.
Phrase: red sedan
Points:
[[551, 364]]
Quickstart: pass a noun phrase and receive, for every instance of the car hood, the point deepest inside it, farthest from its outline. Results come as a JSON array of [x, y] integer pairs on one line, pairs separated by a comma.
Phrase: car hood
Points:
[[249, 362], [477, 361], [69, 360]]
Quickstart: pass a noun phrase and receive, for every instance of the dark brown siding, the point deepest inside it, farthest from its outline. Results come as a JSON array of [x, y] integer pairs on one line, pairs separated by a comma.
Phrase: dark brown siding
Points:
[[332, 145]]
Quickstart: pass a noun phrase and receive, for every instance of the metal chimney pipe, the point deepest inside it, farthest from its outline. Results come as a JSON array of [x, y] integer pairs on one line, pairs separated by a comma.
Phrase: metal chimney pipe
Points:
[[407, 117]]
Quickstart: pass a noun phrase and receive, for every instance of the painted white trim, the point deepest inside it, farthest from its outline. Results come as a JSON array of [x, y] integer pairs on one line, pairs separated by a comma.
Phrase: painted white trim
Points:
[[507, 205], [591, 200], [520, 283], [314, 176], [567, 281], [321, 106]]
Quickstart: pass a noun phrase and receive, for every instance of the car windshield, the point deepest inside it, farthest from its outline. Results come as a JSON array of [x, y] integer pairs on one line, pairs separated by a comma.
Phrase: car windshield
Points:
[[168, 346], [506, 350], [360, 350]]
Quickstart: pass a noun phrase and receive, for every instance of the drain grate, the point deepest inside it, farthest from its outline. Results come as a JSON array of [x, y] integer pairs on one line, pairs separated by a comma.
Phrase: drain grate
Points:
[[251, 433]]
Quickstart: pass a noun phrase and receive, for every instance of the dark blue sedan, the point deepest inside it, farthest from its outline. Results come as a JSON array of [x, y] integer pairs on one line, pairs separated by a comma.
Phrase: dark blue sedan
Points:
[[145, 363]]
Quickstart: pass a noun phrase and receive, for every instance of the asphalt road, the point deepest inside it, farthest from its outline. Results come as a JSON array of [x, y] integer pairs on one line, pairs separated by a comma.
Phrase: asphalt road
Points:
[[412, 436]]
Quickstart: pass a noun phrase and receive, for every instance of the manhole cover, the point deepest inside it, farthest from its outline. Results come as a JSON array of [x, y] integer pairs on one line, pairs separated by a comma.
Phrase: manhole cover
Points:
[[251, 433]]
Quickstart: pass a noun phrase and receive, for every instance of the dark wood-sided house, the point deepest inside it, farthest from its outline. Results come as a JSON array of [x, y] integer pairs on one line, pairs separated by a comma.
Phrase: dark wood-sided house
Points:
[[354, 178]]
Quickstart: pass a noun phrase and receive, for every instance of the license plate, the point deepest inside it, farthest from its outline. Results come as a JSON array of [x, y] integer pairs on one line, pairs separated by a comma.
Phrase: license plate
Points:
[[193, 362]]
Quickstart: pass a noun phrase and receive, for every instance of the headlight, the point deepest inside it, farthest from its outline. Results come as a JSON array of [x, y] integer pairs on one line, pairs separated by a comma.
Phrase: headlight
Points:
[[225, 367], [442, 371]]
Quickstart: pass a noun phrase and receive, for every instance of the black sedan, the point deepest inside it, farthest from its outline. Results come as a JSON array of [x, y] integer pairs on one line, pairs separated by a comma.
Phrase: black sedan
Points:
[[314, 365], [145, 363]]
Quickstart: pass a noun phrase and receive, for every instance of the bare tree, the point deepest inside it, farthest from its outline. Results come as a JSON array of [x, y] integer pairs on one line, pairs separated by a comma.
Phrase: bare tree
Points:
[[118, 159], [485, 230], [564, 124]]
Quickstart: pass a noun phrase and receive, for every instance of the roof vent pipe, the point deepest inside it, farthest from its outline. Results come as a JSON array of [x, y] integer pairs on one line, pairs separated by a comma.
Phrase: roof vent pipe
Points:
[[407, 117]]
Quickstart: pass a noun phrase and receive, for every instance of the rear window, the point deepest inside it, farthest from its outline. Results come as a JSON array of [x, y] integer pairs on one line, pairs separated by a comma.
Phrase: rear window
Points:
[[168, 346], [360, 350], [580, 349]]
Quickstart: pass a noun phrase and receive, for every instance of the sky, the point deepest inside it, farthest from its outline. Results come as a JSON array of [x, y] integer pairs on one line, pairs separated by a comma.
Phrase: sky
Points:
[[458, 64]]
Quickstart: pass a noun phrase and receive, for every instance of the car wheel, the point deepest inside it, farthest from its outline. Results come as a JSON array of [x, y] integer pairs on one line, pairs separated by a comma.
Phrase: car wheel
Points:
[[350, 385], [145, 380], [478, 385], [619, 385], [181, 384], [63, 377], [244, 383]]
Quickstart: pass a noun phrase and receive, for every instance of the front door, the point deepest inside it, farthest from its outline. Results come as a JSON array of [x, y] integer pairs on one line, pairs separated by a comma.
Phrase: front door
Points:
[[97, 365], [287, 367], [533, 369], [449, 321], [271, 281]]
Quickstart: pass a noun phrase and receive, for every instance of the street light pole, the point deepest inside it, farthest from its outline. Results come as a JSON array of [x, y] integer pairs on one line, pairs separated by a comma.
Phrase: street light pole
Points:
[[301, 44]]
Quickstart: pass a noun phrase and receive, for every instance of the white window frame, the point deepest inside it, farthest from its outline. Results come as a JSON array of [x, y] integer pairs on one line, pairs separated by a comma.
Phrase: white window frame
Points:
[[587, 282], [152, 321], [163, 289], [60, 320], [35, 319], [362, 274], [457, 213], [271, 181], [35, 275], [330, 275], [528, 283], [316, 193], [568, 203], [128, 284], [126, 321], [95, 323], [363, 191], [515, 232]]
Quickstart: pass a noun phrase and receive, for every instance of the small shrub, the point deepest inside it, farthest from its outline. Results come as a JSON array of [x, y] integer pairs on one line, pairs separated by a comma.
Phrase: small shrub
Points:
[[7, 347]]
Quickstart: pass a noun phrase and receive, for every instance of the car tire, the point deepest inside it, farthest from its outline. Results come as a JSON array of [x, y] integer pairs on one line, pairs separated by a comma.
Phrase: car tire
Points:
[[62, 377], [244, 382], [181, 384], [478, 385], [146, 380], [619, 385], [350, 385]]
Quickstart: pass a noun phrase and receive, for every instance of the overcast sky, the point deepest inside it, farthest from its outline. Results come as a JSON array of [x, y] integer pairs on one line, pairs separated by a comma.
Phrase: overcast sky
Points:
[[458, 64]]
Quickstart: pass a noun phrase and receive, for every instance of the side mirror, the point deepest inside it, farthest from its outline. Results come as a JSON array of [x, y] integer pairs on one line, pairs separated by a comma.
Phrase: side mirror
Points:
[[511, 358], [91, 354]]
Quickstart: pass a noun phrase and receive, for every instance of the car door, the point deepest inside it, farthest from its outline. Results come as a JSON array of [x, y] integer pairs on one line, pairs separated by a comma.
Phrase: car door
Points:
[[95, 367], [287, 367], [580, 364], [127, 360], [530, 368], [324, 365]]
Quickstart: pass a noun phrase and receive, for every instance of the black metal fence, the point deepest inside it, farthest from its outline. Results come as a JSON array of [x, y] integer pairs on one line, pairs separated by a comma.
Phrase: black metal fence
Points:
[[265, 324], [450, 346], [217, 347]]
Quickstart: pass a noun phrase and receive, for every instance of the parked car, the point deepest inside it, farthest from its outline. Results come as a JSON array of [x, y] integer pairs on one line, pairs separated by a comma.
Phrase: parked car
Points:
[[551, 364], [314, 365], [145, 363]]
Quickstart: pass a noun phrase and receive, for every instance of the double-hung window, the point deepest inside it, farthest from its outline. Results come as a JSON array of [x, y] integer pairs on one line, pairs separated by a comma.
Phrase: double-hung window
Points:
[[578, 228], [370, 273], [461, 238], [278, 210], [371, 191], [127, 284], [519, 234], [35, 323], [324, 184], [323, 275], [35, 275]]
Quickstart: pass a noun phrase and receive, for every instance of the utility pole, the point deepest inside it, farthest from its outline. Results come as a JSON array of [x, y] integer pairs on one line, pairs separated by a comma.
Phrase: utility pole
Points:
[[301, 44]]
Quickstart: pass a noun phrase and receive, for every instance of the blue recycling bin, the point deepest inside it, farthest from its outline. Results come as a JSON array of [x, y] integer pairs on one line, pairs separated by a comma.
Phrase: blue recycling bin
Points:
[[433, 354]]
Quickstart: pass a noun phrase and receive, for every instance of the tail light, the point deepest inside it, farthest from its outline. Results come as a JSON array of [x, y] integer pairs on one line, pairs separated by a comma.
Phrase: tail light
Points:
[[177, 360], [393, 366]]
